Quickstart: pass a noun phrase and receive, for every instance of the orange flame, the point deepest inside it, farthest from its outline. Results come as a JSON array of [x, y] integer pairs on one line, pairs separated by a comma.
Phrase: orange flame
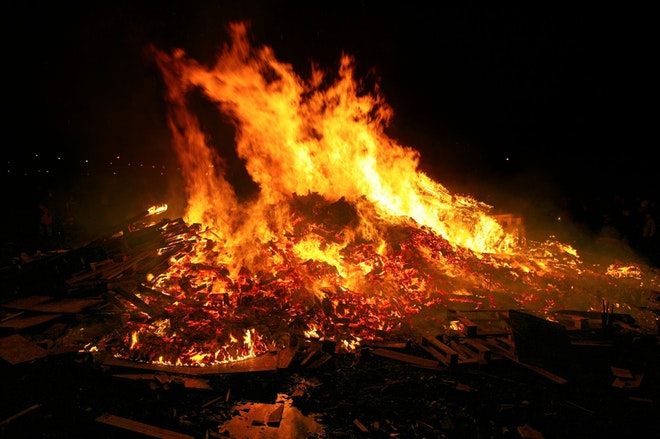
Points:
[[299, 136]]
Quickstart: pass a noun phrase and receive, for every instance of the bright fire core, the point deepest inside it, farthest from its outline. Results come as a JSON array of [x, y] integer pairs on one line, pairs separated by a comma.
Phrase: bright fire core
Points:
[[345, 238]]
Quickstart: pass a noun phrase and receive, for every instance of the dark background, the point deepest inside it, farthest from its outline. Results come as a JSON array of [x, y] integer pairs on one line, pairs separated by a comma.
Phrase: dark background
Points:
[[541, 109]]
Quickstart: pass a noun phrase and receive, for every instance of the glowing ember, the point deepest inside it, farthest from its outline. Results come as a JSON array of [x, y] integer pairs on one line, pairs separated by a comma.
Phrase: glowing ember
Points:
[[155, 210], [345, 239]]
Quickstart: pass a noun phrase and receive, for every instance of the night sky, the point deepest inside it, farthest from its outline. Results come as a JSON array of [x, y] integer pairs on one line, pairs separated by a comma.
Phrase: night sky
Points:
[[542, 103]]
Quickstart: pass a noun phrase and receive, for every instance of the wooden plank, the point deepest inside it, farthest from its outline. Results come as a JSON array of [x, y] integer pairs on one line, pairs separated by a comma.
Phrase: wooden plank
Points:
[[465, 355], [26, 302], [312, 351], [10, 315], [140, 427], [22, 322], [539, 370], [500, 347], [406, 358], [51, 305], [322, 359], [439, 350], [71, 306], [484, 321], [19, 414], [571, 321], [16, 349], [187, 382], [360, 426], [262, 363], [275, 417], [539, 340], [483, 351], [467, 326], [135, 300], [543, 372], [285, 356]]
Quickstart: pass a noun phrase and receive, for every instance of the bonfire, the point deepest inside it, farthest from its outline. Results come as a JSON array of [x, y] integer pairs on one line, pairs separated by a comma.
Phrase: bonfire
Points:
[[344, 238]]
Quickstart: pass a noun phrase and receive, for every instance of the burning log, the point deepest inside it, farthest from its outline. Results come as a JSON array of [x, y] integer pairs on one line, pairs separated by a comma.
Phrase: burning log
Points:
[[269, 361]]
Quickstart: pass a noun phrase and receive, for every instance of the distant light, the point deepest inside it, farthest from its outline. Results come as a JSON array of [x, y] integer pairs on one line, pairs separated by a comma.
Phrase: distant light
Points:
[[506, 159]]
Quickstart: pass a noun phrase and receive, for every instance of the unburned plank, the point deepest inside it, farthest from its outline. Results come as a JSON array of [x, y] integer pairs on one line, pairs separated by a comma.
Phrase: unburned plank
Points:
[[140, 427], [16, 349], [438, 349], [23, 322], [26, 302], [407, 358]]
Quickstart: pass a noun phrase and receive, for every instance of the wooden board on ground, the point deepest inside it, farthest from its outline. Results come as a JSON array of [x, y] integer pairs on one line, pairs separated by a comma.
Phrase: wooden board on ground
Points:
[[269, 361], [49, 305], [438, 349], [538, 339], [139, 427], [26, 302], [71, 306], [23, 322], [407, 358], [16, 349]]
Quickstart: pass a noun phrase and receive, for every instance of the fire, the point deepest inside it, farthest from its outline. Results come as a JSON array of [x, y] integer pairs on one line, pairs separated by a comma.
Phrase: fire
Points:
[[345, 238], [157, 209], [298, 136]]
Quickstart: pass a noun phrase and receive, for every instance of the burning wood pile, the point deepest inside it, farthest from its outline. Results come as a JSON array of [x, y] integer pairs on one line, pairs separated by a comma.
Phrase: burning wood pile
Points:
[[184, 312], [181, 312], [344, 239], [344, 246]]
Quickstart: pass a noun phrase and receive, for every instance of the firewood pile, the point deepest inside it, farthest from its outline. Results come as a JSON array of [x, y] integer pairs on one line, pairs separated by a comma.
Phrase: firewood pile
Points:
[[446, 372]]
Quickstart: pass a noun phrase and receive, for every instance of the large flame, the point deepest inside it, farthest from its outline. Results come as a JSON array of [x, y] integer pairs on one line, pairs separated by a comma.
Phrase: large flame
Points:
[[296, 136]]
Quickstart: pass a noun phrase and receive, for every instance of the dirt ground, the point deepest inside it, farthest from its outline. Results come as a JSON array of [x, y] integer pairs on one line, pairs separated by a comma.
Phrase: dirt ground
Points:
[[344, 396]]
